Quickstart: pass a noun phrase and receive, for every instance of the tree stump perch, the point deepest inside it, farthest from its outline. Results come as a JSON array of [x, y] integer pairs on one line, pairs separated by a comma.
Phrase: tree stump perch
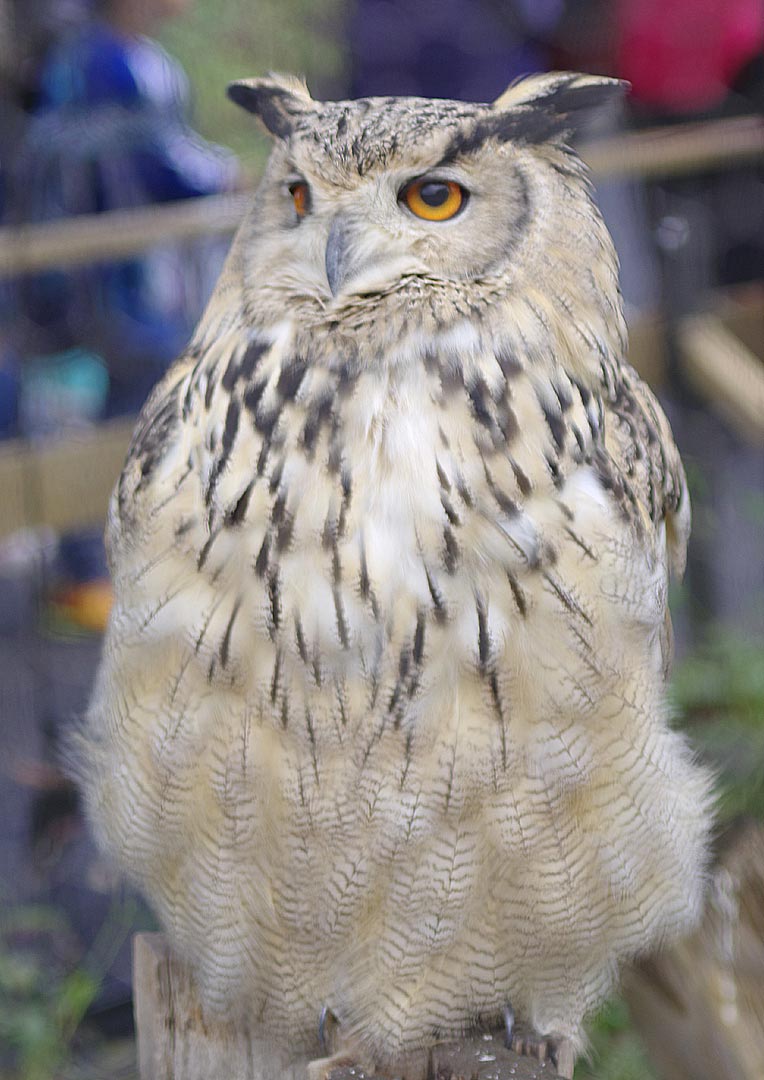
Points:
[[177, 1042], [469, 1060]]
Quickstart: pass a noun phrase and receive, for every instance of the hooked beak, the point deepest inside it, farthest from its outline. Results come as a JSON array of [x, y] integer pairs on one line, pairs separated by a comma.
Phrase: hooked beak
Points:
[[363, 260], [336, 259]]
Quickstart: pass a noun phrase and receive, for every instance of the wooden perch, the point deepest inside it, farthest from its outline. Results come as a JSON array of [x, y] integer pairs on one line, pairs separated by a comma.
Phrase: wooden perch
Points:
[[700, 1005], [176, 1041], [471, 1059]]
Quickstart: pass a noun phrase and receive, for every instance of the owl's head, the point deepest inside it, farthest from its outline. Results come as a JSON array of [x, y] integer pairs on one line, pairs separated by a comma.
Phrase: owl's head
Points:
[[362, 199]]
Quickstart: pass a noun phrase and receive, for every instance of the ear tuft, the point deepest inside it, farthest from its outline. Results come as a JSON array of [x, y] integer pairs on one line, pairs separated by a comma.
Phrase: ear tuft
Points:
[[278, 101], [533, 89], [548, 106]]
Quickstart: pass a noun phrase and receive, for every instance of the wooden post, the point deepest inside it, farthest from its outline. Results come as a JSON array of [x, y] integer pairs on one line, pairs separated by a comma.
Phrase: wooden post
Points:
[[700, 1006], [176, 1041]]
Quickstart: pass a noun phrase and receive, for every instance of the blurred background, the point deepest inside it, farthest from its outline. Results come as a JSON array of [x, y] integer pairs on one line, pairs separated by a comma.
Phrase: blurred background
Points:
[[123, 173]]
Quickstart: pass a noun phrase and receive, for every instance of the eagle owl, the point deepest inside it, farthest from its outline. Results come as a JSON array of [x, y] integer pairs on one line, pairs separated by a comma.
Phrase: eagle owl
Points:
[[381, 723]]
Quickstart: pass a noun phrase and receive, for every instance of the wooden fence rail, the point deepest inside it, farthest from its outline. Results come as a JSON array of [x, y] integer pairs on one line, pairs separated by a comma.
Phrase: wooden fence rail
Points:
[[123, 233], [91, 238]]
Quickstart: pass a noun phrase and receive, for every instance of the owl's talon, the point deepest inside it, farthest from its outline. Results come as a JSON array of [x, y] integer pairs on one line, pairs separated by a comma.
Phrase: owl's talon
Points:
[[509, 1025], [327, 1022], [558, 1050]]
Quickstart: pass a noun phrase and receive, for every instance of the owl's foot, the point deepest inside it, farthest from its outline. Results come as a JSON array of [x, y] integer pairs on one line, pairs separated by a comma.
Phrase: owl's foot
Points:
[[337, 1057], [545, 1048], [509, 1025], [344, 1060], [327, 1029]]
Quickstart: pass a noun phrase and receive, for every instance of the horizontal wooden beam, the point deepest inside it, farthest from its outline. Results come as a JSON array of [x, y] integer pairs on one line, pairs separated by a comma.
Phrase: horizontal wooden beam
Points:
[[125, 233], [63, 483], [677, 149], [725, 372], [118, 234]]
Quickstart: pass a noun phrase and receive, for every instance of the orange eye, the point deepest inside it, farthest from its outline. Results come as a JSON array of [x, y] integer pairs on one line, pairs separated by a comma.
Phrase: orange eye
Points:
[[434, 200], [300, 193]]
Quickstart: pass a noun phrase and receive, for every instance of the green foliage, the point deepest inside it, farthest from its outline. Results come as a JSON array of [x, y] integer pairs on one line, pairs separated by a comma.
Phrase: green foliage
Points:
[[218, 42], [616, 1052], [46, 986], [719, 694], [41, 1003]]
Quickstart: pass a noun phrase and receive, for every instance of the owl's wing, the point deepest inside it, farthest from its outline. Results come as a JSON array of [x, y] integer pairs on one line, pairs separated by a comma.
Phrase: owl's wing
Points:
[[648, 478], [184, 431]]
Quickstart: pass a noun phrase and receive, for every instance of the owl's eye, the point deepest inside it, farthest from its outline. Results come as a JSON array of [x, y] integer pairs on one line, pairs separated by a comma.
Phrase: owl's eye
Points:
[[300, 193], [433, 200]]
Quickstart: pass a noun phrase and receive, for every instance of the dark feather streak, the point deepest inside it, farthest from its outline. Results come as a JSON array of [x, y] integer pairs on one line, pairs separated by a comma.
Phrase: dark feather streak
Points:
[[225, 645], [484, 641], [341, 619], [238, 512], [274, 596], [518, 594], [438, 600], [450, 550]]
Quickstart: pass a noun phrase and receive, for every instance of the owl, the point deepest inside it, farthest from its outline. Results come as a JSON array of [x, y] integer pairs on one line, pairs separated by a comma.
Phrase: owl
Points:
[[381, 727]]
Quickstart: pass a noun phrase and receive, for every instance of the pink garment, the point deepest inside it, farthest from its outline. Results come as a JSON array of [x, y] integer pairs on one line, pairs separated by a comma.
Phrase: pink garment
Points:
[[683, 55]]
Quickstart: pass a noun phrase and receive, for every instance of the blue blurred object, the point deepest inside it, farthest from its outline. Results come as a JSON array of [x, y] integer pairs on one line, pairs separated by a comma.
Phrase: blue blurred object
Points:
[[82, 557], [61, 392], [9, 393], [97, 67], [110, 132]]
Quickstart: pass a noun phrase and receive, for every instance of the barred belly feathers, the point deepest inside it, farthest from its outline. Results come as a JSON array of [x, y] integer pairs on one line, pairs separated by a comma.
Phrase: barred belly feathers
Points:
[[381, 722]]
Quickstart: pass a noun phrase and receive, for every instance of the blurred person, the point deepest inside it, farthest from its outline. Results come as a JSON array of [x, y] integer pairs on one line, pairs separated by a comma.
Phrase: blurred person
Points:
[[446, 48], [692, 60], [683, 57], [110, 131], [103, 125]]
